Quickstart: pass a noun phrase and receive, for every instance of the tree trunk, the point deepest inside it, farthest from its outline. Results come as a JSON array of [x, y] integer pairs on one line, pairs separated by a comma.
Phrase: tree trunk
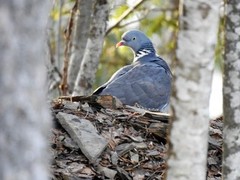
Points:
[[192, 82], [79, 41], [231, 92], [24, 116], [86, 75]]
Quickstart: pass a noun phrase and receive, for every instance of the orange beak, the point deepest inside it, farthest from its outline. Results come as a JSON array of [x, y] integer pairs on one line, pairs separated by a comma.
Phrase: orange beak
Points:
[[121, 43]]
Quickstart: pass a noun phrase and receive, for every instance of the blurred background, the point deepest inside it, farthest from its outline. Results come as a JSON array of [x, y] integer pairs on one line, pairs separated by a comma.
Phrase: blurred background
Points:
[[157, 18]]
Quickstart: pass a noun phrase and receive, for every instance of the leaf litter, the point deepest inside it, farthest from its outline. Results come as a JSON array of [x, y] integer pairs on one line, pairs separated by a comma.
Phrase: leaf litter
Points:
[[136, 141]]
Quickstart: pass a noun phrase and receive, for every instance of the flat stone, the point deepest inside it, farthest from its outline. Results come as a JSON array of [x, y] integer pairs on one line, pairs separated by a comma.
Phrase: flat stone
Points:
[[84, 134], [70, 105], [109, 173]]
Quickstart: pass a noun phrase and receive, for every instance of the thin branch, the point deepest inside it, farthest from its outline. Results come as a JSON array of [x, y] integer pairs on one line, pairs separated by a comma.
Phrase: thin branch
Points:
[[59, 33], [163, 9], [52, 59], [67, 33], [134, 21], [124, 15]]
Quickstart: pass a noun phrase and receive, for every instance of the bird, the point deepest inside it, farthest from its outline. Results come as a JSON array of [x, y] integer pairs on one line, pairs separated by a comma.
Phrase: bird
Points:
[[146, 82]]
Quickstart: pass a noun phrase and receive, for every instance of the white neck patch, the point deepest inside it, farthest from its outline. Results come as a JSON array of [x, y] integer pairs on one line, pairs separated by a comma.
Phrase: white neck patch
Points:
[[141, 53]]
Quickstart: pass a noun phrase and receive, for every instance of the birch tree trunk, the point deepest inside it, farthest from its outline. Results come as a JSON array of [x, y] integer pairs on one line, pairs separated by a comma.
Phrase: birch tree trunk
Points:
[[79, 41], [24, 118], [86, 75], [192, 83], [231, 92]]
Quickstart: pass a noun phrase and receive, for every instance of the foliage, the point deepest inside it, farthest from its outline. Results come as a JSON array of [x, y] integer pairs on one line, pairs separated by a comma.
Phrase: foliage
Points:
[[157, 18]]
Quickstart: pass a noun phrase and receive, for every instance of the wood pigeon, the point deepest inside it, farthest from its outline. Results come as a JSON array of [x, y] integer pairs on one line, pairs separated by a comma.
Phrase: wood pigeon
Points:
[[146, 82]]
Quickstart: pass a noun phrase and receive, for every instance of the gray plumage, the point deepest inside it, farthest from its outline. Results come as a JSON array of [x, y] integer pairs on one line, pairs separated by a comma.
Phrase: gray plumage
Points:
[[146, 82]]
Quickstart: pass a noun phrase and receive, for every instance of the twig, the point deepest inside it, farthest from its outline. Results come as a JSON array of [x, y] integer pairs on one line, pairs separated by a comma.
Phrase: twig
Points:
[[67, 33], [124, 15], [52, 68], [59, 33], [145, 15], [134, 21], [163, 9]]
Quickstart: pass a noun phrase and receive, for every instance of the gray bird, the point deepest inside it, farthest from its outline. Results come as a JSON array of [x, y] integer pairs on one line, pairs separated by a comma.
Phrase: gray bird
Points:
[[146, 82]]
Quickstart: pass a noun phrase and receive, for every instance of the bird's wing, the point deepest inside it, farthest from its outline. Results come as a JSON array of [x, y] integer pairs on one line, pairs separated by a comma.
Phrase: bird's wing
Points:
[[163, 63], [146, 84], [115, 76]]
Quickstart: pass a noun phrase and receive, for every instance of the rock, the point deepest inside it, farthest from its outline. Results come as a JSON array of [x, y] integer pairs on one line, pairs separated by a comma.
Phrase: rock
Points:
[[109, 173], [134, 157], [84, 134], [114, 158], [70, 105]]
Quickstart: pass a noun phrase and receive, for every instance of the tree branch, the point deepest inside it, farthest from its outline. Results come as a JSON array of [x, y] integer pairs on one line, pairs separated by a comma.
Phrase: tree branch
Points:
[[59, 34], [124, 15], [68, 33], [134, 21]]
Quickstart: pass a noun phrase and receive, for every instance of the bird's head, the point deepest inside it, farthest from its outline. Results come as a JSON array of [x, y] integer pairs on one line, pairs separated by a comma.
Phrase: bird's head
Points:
[[136, 40]]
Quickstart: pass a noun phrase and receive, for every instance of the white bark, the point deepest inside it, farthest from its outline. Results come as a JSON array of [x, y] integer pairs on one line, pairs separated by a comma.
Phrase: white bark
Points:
[[86, 75], [192, 83], [231, 92], [24, 118], [79, 41]]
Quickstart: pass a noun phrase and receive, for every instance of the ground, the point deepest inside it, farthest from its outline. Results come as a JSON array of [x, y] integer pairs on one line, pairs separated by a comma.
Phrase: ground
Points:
[[136, 145]]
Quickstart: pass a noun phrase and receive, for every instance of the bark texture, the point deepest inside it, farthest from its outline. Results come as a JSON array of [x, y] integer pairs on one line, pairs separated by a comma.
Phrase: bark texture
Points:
[[231, 92], [79, 41], [86, 75], [192, 82], [23, 111]]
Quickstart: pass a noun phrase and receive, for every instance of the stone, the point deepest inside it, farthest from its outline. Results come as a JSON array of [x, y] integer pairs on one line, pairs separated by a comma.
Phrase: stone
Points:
[[84, 134]]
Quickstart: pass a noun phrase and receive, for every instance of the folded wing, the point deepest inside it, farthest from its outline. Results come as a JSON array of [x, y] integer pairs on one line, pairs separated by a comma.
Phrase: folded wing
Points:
[[145, 84]]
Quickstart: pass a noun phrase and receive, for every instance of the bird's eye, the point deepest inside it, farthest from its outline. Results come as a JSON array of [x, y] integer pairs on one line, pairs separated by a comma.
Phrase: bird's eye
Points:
[[133, 38]]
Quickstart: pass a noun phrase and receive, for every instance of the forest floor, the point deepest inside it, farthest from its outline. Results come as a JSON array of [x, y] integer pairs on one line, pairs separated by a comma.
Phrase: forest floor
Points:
[[99, 138]]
